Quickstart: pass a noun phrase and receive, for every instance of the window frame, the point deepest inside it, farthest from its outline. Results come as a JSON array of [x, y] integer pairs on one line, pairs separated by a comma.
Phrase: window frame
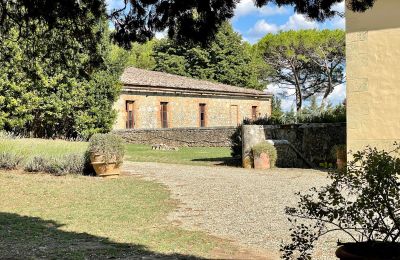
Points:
[[164, 114], [254, 112], [130, 114], [203, 112]]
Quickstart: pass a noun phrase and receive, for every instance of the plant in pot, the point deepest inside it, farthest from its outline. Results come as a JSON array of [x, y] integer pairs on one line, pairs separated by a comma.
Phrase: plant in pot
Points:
[[362, 202], [106, 153], [264, 155], [340, 152]]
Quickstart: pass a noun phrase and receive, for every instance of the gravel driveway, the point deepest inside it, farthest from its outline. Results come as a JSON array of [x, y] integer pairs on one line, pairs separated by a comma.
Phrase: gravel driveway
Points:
[[246, 206]]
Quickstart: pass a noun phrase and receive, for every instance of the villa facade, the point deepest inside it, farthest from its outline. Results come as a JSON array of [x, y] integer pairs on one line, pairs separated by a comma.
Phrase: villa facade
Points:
[[373, 67], [151, 100]]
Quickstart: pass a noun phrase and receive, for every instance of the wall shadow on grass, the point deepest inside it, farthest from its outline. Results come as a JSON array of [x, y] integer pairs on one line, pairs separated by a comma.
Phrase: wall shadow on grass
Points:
[[23, 237], [222, 161]]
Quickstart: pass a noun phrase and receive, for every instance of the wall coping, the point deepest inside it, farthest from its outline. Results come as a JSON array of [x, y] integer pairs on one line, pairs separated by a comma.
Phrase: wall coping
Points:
[[176, 129], [305, 125]]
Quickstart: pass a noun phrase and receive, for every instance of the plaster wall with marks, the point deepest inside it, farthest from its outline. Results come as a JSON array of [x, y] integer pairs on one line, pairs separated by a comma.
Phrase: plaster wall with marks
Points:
[[373, 76]]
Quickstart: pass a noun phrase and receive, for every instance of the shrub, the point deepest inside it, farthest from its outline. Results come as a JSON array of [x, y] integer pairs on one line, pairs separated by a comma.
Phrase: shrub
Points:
[[236, 143], [10, 161], [67, 164], [362, 201], [268, 148], [109, 145]]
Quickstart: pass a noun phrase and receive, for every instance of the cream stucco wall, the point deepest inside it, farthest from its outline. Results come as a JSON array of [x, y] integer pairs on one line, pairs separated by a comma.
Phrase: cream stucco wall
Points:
[[183, 111], [373, 76]]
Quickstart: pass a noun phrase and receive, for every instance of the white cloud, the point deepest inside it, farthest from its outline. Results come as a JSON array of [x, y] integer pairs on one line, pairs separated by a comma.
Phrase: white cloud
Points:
[[298, 22], [338, 94], [339, 7], [261, 28], [288, 98], [295, 22], [247, 7], [161, 35], [114, 4]]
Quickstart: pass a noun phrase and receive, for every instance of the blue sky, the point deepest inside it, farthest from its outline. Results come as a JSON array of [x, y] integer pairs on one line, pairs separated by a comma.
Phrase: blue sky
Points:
[[253, 23]]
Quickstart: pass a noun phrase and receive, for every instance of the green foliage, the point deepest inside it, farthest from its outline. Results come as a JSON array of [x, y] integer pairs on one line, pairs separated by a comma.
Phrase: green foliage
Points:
[[309, 61], [362, 202], [52, 85], [226, 60], [109, 145], [269, 149], [10, 161]]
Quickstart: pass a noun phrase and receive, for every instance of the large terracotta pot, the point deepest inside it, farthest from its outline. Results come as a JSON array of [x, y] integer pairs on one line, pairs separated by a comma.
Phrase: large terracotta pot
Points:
[[369, 251], [103, 169], [262, 162]]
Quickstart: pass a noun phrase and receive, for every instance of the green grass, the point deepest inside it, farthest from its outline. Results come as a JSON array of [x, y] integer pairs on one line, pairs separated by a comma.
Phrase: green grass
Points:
[[185, 155], [30, 147], [78, 217]]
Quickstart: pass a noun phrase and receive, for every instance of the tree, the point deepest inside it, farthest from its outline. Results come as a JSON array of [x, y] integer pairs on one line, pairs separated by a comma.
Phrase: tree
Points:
[[227, 60], [46, 92], [305, 61], [276, 104], [138, 20]]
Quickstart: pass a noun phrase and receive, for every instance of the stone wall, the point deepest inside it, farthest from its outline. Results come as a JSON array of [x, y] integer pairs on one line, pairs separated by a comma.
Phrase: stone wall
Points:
[[308, 144], [195, 137], [183, 110]]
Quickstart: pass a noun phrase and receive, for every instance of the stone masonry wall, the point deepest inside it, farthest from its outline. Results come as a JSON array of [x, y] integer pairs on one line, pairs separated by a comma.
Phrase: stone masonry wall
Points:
[[311, 144], [195, 137], [183, 111]]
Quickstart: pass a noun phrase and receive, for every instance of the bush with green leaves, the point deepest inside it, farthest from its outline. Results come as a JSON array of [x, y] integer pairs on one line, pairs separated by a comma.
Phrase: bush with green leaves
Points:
[[267, 148], [10, 161], [362, 202], [110, 146]]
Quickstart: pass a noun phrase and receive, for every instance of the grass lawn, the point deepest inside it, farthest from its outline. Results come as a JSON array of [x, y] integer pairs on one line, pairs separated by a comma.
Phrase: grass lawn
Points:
[[78, 217], [30, 147], [185, 155]]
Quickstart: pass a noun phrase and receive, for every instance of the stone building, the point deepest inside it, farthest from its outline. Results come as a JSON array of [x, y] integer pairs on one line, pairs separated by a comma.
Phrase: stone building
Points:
[[373, 95], [152, 99]]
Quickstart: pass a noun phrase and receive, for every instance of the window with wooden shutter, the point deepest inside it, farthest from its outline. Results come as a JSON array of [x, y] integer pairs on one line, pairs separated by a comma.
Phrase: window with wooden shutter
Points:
[[164, 114], [202, 109], [254, 112], [130, 114]]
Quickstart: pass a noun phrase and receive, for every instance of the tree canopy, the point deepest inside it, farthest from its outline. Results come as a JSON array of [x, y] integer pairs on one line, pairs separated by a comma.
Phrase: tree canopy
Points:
[[54, 85], [308, 61], [227, 60], [138, 20]]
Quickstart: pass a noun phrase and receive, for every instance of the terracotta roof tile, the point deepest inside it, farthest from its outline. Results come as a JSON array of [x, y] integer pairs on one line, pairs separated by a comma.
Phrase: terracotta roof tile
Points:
[[140, 77]]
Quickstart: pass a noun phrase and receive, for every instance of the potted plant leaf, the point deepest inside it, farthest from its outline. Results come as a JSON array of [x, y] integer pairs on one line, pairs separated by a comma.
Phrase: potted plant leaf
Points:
[[264, 155], [106, 153], [340, 152], [362, 202]]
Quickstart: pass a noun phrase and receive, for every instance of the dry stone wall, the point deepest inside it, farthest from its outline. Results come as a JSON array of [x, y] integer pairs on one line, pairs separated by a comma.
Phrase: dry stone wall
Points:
[[194, 137], [308, 144]]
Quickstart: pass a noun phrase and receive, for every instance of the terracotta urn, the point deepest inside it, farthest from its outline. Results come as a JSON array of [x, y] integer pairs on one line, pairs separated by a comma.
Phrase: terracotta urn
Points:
[[104, 169], [262, 162]]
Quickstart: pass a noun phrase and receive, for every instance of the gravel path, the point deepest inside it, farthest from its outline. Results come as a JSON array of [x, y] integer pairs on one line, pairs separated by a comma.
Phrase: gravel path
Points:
[[246, 206]]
